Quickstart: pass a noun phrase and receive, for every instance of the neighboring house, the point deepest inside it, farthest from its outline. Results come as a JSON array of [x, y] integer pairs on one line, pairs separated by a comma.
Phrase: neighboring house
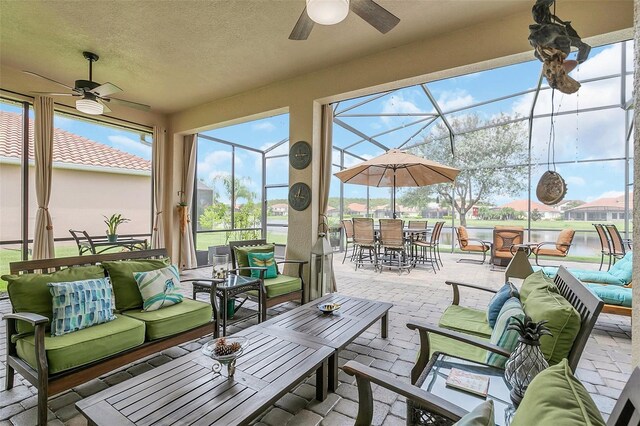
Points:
[[89, 180], [602, 209], [332, 211], [565, 205], [522, 207], [280, 209], [356, 209]]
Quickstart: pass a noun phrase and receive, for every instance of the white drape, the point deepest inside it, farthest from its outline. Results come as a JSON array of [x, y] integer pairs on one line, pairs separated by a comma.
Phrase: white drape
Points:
[[159, 174], [43, 147], [187, 247], [326, 148]]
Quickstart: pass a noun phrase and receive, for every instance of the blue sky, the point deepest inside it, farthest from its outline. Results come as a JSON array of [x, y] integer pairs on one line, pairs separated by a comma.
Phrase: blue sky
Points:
[[593, 135]]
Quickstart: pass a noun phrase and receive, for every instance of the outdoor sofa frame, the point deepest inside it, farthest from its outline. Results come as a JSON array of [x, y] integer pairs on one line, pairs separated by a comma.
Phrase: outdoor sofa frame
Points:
[[51, 384]]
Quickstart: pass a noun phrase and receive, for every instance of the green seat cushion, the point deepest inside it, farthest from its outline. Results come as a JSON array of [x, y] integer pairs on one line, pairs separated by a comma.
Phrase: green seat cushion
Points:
[[612, 295], [282, 284], [30, 292], [482, 415], [84, 346], [563, 322], [556, 397], [438, 343], [536, 281], [124, 284], [242, 255], [466, 320], [173, 319]]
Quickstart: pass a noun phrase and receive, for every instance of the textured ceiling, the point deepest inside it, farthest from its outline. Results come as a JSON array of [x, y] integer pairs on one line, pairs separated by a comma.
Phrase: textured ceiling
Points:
[[174, 55]]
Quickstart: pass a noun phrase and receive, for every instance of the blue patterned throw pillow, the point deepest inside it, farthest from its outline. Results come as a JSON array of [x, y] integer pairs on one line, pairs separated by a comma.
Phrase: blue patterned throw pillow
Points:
[[80, 304], [501, 336], [159, 288], [497, 301], [263, 260]]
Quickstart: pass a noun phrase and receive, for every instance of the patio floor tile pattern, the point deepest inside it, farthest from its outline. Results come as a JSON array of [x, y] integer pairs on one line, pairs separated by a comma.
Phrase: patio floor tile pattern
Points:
[[420, 295]]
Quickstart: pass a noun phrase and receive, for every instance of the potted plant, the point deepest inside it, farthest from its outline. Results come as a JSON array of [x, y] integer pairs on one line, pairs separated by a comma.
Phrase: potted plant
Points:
[[112, 223]]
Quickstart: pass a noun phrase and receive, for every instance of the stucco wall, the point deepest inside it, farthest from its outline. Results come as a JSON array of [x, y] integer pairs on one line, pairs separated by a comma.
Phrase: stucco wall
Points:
[[78, 200]]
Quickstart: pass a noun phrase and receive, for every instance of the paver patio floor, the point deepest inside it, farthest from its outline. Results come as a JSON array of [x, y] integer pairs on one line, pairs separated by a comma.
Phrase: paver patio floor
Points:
[[420, 295]]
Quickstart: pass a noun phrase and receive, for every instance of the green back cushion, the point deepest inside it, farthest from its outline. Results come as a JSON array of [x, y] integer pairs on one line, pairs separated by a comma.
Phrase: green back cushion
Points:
[[501, 336], [482, 415], [563, 322], [556, 397], [263, 260], [124, 284], [30, 292], [242, 255], [536, 281]]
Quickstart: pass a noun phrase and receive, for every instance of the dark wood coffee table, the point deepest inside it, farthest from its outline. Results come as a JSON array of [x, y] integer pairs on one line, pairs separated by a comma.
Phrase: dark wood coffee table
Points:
[[336, 330], [186, 391]]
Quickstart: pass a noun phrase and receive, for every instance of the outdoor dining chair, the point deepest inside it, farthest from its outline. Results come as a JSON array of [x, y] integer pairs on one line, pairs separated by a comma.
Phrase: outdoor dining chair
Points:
[[364, 239], [392, 244], [560, 247], [618, 249], [415, 225], [347, 227], [428, 249], [471, 245], [605, 244]]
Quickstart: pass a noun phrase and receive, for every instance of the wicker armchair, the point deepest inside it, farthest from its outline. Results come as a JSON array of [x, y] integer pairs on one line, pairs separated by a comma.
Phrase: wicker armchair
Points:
[[560, 247]]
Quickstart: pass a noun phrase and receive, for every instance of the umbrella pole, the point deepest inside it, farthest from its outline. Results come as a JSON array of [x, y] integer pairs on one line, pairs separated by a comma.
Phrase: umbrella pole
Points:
[[394, 193]]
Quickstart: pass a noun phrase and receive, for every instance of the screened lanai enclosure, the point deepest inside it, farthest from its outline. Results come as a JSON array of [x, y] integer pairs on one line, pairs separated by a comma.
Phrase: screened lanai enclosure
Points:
[[503, 128]]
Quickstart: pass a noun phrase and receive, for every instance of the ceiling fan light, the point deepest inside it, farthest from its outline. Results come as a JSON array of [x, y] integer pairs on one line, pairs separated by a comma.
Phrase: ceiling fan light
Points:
[[327, 12], [89, 106]]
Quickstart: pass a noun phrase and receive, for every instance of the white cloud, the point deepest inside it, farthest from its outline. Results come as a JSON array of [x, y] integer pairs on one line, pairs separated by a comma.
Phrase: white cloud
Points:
[[397, 104], [450, 100], [575, 180], [210, 166], [352, 161], [263, 126], [131, 146]]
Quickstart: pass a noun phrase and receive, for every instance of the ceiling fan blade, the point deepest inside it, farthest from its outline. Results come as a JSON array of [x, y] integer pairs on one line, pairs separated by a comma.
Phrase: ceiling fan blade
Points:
[[104, 105], [303, 27], [106, 89], [129, 104], [377, 16], [47, 78], [54, 94]]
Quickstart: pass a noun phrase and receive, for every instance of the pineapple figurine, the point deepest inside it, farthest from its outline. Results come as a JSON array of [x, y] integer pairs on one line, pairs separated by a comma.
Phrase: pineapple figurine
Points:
[[527, 360]]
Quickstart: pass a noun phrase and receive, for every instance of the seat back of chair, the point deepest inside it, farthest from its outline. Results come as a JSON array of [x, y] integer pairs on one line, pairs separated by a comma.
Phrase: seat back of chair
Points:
[[79, 236], [435, 234], [617, 245], [605, 246], [586, 303], [347, 225], [417, 224], [627, 409], [504, 237], [463, 236], [565, 238], [391, 232], [244, 243], [363, 232]]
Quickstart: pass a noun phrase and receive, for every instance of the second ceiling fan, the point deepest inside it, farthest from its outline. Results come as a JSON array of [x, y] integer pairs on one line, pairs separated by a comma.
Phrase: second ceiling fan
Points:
[[330, 12]]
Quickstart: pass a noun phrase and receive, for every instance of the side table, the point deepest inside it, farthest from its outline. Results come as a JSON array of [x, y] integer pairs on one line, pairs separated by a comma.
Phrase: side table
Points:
[[433, 379], [221, 290]]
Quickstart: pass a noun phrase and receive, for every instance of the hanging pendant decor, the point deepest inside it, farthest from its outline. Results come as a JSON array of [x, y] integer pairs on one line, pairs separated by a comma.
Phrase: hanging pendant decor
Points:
[[551, 188], [552, 39]]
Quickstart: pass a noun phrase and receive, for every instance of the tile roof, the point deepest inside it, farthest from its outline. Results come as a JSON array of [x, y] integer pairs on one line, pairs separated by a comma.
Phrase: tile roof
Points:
[[605, 203], [523, 206], [68, 147], [357, 207]]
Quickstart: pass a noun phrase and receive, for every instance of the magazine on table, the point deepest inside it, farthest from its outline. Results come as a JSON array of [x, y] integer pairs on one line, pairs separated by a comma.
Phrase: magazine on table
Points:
[[468, 382]]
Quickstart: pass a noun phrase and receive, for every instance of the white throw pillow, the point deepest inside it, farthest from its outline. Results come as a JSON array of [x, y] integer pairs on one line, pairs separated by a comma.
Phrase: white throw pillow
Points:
[[159, 288]]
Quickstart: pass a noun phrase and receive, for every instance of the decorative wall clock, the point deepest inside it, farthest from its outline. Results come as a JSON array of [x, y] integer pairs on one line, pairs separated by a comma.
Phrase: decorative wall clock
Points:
[[300, 155], [299, 196]]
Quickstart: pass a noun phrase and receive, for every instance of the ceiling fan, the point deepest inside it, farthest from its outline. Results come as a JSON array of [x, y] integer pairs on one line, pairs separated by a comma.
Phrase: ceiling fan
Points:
[[94, 96], [330, 12]]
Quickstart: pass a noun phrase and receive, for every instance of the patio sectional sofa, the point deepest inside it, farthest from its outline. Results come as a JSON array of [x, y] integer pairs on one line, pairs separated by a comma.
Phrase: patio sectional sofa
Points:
[[57, 363]]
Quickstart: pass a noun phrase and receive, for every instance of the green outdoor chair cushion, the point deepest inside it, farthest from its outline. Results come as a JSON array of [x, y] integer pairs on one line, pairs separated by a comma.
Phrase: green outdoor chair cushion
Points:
[[556, 397], [619, 274], [242, 255], [612, 295], [536, 281], [173, 319], [438, 343], [282, 284], [125, 287], [564, 322], [482, 415], [84, 346], [30, 292], [466, 320]]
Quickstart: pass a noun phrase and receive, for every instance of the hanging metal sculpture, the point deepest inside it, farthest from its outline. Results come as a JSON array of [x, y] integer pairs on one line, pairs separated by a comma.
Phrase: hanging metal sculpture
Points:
[[552, 39]]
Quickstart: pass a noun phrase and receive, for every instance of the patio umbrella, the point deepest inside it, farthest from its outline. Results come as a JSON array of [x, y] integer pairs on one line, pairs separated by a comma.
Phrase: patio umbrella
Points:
[[397, 169]]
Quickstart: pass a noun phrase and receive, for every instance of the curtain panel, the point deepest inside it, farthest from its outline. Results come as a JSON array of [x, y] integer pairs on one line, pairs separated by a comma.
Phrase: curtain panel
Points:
[[159, 175], [43, 247], [187, 247], [326, 148]]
